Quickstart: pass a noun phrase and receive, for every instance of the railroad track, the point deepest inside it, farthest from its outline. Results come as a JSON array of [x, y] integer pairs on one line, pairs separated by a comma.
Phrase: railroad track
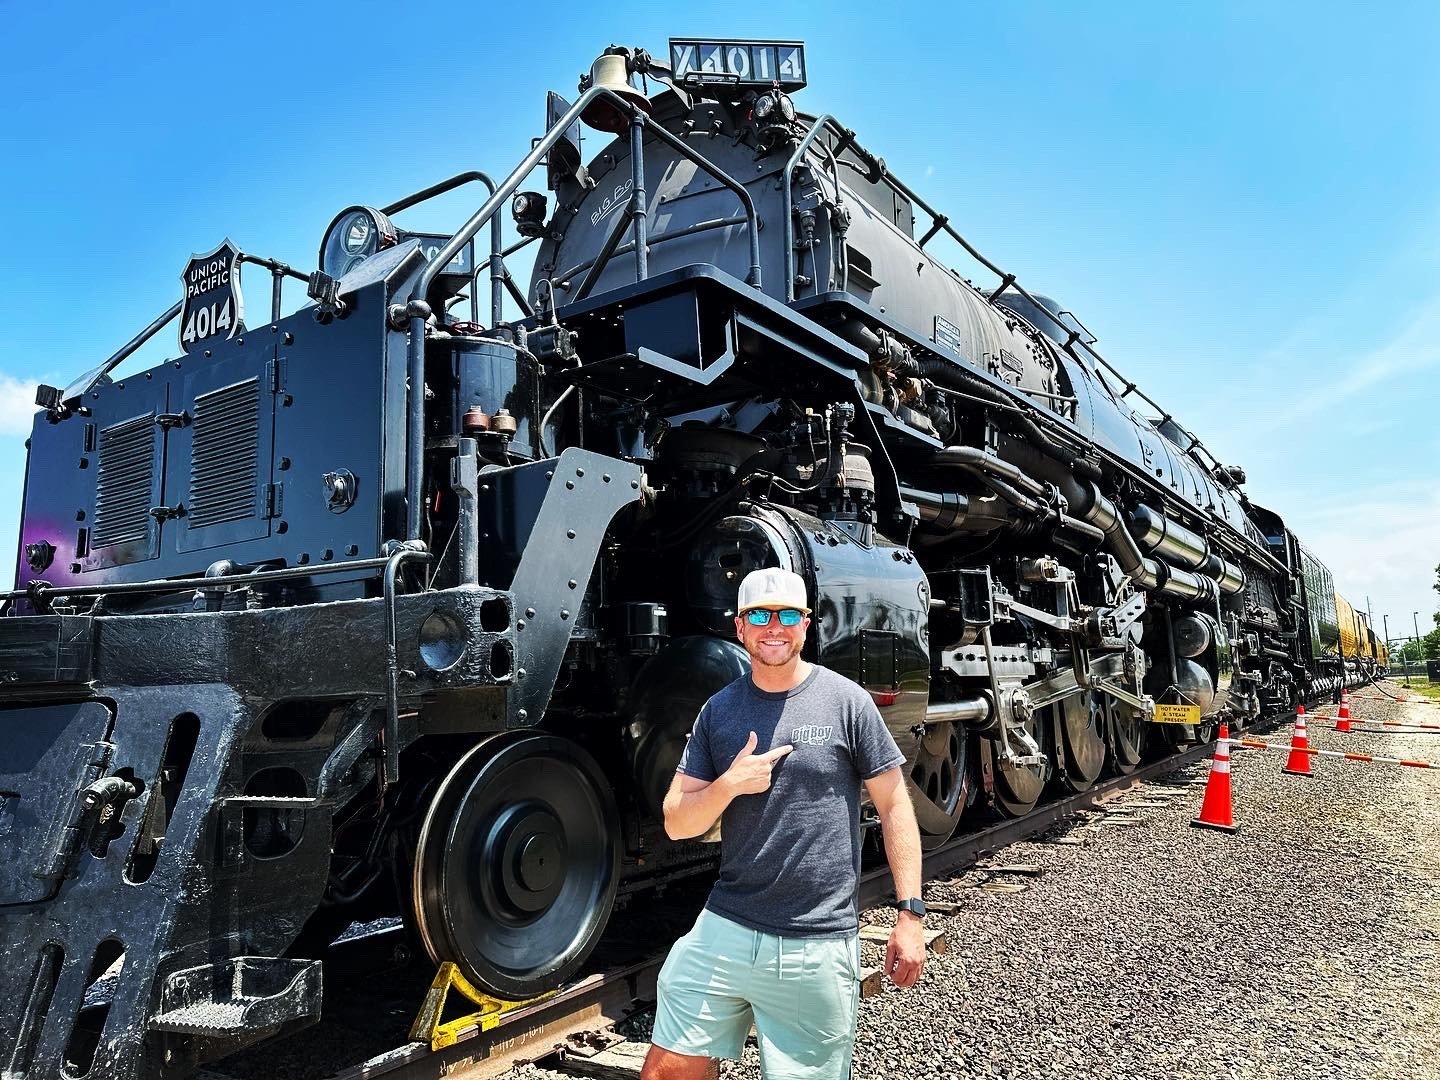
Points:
[[610, 996]]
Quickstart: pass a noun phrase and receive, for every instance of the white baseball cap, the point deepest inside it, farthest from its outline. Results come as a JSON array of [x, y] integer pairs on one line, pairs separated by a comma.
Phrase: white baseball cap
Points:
[[772, 588]]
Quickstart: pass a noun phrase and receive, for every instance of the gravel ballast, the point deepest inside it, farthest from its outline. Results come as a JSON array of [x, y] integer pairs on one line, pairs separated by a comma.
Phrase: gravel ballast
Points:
[[1304, 945]]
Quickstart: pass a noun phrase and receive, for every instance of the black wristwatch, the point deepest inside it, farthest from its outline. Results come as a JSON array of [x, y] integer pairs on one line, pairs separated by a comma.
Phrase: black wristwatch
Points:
[[914, 905]]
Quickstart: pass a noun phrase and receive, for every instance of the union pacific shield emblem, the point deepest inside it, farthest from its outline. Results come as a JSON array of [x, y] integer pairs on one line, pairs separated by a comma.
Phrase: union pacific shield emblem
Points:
[[213, 308]]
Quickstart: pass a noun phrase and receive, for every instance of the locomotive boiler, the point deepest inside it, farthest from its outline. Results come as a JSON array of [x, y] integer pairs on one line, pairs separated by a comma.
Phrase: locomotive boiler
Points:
[[403, 602]]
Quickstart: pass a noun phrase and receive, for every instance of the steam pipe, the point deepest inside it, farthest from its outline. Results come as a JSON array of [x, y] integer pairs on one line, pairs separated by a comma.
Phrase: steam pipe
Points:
[[1000, 475], [943, 509], [1162, 536], [638, 210], [975, 458]]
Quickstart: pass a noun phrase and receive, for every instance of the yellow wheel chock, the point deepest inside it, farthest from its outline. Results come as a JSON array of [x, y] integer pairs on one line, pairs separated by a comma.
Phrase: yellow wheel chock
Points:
[[431, 1028]]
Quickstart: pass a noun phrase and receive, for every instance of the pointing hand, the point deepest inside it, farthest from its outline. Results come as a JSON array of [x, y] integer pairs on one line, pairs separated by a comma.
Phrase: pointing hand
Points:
[[749, 773]]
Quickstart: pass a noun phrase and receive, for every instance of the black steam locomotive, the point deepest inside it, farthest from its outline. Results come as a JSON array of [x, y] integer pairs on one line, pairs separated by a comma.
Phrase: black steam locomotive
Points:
[[404, 603]]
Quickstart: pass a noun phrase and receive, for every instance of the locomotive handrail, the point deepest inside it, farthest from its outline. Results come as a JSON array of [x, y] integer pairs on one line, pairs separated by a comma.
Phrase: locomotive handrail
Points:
[[653, 241], [753, 279], [940, 222], [508, 278], [786, 180], [418, 311], [43, 591], [78, 388], [496, 261], [91, 379]]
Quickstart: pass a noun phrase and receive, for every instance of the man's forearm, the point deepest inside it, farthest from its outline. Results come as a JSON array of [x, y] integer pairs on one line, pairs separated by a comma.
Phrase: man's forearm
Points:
[[902, 847], [691, 813]]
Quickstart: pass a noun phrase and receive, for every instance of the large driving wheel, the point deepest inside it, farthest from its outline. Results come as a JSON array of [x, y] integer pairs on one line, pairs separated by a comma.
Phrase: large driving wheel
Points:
[[517, 864], [941, 782], [1082, 738], [1125, 737], [1019, 787]]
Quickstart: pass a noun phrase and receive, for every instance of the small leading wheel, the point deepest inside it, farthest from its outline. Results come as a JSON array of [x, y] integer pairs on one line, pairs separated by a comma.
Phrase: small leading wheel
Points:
[[517, 864]]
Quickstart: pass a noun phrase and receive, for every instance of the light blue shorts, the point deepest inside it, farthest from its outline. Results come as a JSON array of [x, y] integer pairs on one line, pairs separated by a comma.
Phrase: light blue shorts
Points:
[[800, 993]]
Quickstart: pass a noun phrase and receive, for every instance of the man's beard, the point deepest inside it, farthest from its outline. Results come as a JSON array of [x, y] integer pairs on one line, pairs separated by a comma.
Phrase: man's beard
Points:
[[760, 656]]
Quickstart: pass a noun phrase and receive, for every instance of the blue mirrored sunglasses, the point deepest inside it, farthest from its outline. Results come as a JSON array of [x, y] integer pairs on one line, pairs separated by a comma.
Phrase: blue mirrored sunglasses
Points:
[[789, 616]]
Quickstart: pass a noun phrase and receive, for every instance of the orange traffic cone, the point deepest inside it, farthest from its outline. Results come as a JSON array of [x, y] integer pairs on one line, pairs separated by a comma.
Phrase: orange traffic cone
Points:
[[1215, 809], [1342, 722], [1298, 763]]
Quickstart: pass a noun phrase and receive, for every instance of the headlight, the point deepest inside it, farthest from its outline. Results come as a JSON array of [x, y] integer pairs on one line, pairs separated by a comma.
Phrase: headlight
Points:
[[356, 233], [528, 210]]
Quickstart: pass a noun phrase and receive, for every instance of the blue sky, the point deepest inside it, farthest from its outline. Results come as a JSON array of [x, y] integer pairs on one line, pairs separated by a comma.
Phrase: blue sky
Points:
[[1242, 200]]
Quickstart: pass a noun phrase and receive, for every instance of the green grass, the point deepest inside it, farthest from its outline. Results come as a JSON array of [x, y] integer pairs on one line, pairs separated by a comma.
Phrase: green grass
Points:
[[1424, 687], [1421, 686]]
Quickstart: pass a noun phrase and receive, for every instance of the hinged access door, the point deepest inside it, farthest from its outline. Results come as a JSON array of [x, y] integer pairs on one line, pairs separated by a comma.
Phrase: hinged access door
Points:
[[218, 482], [126, 449]]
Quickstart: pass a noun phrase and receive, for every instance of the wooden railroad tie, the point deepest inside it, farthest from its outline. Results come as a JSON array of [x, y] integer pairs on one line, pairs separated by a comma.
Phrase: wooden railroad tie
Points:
[[872, 979], [943, 907], [1025, 869], [620, 1061]]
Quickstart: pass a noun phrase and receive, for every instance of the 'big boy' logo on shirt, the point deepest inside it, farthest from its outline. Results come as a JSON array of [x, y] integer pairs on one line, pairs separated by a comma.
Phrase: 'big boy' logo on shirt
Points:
[[811, 734]]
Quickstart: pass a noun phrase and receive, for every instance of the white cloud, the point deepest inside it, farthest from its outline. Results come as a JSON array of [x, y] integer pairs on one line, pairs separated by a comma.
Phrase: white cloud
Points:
[[1323, 385], [1415, 348], [17, 406]]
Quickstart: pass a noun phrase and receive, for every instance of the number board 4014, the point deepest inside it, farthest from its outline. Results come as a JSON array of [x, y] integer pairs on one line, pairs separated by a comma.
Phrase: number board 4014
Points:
[[739, 63]]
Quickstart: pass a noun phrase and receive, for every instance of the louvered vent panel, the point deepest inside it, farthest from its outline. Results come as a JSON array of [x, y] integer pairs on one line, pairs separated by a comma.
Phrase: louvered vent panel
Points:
[[225, 455], [126, 478]]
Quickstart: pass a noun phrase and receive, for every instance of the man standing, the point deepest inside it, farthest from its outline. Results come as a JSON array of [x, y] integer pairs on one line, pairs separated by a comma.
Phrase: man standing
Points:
[[778, 758]]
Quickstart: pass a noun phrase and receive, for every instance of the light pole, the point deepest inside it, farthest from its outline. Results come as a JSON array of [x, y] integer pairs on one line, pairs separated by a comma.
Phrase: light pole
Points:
[[1415, 622]]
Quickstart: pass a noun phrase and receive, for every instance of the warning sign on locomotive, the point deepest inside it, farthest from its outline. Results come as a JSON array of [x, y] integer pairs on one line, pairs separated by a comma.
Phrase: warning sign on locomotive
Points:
[[213, 305], [1177, 714]]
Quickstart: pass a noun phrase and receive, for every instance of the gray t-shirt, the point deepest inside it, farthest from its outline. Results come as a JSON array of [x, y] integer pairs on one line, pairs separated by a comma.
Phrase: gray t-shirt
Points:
[[790, 856]]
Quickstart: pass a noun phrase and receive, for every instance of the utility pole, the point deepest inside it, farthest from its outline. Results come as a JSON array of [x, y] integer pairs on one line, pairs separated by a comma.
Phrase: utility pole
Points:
[[1415, 622], [1387, 639]]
